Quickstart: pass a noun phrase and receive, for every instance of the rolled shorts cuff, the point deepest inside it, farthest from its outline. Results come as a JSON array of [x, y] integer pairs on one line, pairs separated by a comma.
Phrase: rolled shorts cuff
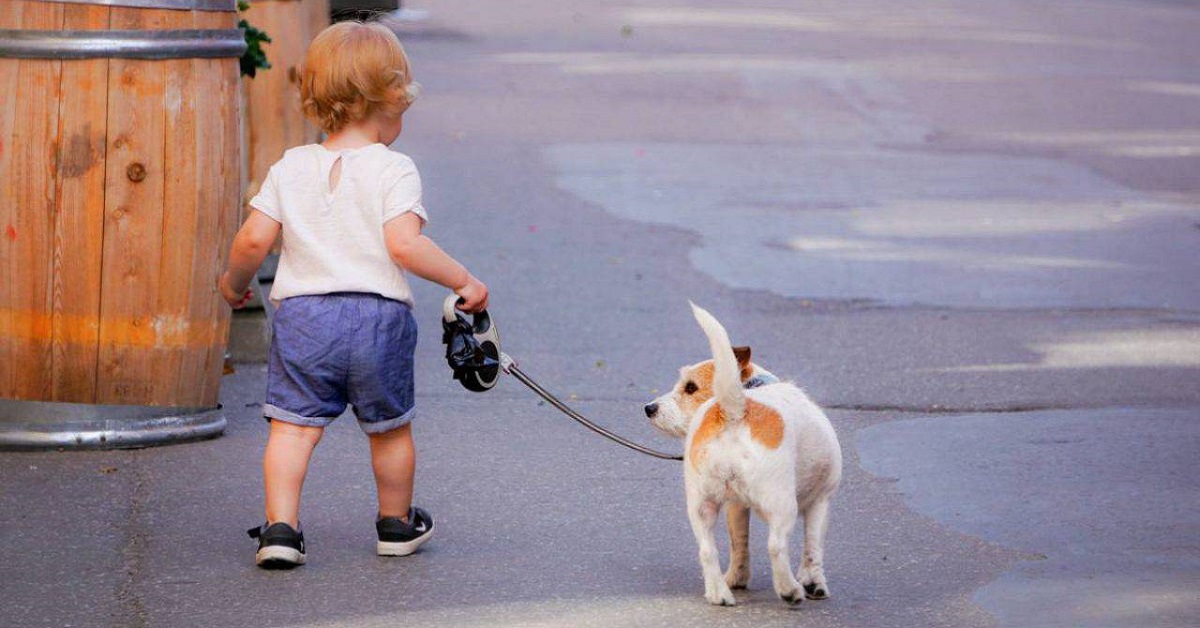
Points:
[[271, 412], [387, 425]]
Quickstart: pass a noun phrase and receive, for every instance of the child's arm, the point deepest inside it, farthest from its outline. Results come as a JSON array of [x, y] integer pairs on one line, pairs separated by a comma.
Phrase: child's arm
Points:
[[420, 256], [250, 246]]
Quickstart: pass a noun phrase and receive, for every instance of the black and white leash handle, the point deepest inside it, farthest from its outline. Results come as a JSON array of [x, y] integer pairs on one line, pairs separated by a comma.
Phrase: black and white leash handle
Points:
[[508, 365], [472, 346]]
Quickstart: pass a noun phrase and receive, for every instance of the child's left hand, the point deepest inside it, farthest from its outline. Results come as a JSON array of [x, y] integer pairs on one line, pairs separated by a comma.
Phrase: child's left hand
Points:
[[235, 299]]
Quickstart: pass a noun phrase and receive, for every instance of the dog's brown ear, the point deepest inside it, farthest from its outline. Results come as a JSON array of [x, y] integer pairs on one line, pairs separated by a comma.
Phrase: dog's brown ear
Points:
[[743, 358]]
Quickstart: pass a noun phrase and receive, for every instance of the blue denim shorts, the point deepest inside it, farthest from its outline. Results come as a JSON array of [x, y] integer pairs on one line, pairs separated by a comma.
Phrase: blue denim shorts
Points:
[[334, 350]]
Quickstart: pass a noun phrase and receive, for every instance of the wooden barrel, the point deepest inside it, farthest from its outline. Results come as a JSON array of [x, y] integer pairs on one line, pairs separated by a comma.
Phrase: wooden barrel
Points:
[[119, 151], [274, 122]]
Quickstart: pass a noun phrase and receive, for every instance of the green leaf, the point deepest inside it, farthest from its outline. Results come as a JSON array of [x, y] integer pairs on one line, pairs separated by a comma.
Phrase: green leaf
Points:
[[255, 57]]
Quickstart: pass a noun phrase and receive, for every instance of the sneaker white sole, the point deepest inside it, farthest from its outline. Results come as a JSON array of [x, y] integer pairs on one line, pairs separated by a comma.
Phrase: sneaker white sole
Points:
[[402, 548], [278, 556]]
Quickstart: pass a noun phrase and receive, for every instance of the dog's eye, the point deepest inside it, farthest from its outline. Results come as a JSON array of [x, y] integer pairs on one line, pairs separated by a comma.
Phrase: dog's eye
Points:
[[690, 388]]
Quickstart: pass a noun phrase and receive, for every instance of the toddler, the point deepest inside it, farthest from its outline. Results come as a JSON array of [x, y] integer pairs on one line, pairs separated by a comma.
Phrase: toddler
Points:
[[351, 217]]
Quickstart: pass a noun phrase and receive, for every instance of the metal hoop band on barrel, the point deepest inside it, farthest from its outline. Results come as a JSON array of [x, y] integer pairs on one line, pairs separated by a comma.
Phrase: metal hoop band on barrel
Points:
[[133, 44], [198, 5], [26, 425]]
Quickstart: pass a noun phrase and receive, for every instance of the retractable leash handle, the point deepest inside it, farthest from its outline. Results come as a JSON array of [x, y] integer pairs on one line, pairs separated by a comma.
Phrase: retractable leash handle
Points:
[[472, 347]]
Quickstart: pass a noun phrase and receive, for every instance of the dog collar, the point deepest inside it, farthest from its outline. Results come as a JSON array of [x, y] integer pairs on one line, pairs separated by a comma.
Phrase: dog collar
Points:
[[762, 379]]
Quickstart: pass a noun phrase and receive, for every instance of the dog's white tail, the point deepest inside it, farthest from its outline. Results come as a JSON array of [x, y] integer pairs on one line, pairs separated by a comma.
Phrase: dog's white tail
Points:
[[727, 381]]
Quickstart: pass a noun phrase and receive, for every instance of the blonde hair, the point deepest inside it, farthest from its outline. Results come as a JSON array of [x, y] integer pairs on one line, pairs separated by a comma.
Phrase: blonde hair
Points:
[[353, 70]]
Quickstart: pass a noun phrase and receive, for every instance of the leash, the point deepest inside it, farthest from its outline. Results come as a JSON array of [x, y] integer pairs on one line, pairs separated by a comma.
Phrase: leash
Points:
[[508, 365], [473, 353]]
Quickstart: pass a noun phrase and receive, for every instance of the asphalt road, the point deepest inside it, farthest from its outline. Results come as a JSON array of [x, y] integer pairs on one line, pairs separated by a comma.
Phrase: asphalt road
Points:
[[971, 230]]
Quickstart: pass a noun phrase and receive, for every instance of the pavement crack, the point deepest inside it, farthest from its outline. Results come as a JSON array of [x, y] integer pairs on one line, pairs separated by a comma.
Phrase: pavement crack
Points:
[[133, 552]]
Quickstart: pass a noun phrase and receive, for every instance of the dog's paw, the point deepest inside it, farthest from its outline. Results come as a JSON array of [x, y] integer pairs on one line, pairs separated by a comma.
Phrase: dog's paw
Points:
[[789, 590], [737, 577], [720, 596], [793, 597], [816, 591]]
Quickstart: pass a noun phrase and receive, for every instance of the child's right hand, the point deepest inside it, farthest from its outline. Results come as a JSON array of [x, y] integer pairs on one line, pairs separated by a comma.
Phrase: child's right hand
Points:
[[474, 295], [235, 299]]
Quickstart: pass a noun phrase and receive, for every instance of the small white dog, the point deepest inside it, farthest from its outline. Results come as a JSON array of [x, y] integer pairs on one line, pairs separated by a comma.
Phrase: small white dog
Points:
[[753, 442]]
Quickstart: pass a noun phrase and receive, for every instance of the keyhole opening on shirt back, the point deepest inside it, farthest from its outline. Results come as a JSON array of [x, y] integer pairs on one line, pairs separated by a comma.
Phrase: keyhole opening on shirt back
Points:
[[335, 174]]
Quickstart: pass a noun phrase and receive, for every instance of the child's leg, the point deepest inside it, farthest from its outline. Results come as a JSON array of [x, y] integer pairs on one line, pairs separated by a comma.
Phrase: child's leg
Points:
[[394, 457], [285, 462]]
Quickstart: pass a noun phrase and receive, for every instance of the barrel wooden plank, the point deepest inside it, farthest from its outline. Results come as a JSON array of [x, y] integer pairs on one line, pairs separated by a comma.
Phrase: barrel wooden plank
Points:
[[9, 69], [179, 218], [201, 263], [79, 228], [30, 230], [218, 160], [225, 155], [231, 201], [133, 236], [10, 263]]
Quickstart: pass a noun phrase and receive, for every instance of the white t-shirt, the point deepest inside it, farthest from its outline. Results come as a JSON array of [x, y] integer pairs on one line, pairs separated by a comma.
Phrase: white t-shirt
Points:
[[333, 239]]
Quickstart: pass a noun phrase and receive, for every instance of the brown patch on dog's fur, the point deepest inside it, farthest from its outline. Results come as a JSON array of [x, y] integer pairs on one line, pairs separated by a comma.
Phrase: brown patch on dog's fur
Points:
[[737, 519], [711, 425], [743, 359], [702, 375], [766, 426]]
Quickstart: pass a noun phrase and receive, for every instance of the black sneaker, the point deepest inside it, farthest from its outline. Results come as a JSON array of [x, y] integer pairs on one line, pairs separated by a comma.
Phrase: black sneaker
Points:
[[397, 538], [280, 546]]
